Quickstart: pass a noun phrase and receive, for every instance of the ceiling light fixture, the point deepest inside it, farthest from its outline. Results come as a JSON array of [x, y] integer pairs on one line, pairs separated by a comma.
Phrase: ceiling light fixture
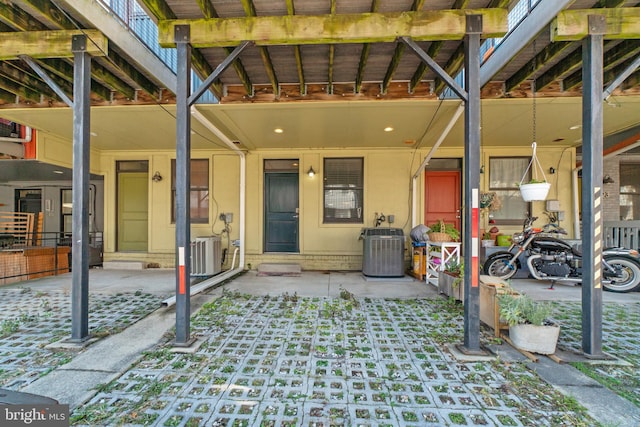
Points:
[[574, 127], [388, 129], [278, 130]]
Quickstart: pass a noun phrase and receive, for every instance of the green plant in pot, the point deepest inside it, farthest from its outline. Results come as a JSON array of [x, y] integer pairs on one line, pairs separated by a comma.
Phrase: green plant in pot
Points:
[[450, 279], [529, 326], [441, 227]]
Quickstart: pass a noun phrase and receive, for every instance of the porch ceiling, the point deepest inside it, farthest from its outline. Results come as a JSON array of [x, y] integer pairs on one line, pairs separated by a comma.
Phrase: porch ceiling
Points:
[[322, 95], [505, 122]]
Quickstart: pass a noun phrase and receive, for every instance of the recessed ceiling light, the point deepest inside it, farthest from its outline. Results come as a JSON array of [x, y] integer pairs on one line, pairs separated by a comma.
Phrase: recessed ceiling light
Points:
[[58, 172], [388, 129], [574, 127], [278, 130], [93, 134]]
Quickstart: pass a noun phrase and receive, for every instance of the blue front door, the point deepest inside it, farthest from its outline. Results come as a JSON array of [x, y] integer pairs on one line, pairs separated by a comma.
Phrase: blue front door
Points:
[[281, 212]]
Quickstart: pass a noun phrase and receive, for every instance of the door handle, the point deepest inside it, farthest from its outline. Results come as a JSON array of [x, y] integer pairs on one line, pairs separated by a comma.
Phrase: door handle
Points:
[[295, 216]]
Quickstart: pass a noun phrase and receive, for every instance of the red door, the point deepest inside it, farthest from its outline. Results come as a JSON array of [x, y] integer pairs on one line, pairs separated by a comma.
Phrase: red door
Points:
[[442, 197]]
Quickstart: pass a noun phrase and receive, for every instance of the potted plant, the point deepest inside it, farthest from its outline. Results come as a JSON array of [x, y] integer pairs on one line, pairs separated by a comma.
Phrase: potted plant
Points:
[[441, 232], [450, 279], [529, 326], [534, 190]]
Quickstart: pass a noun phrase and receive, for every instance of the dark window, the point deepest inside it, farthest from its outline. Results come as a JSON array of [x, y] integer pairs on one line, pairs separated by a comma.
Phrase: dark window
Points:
[[505, 174], [343, 190], [199, 191]]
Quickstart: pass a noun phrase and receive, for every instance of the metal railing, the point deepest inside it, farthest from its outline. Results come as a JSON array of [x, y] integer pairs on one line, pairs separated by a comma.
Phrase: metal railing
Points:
[[41, 254]]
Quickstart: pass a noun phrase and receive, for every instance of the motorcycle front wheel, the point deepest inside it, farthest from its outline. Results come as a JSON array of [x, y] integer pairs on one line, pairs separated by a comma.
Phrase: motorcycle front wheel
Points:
[[629, 281], [497, 265]]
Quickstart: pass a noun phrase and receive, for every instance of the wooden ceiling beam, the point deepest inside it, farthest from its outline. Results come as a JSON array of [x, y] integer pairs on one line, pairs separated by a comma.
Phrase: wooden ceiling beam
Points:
[[250, 11], [60, 71], [364, 55], [621, 53], [432, 52], [8, 97], [48, 44], [548, 53], [162, 11], [54, 17], [452, 67], [9, 70], [535, 64], [298, 52], [621, 23], [326, 29], [569, 64], [399, 51]]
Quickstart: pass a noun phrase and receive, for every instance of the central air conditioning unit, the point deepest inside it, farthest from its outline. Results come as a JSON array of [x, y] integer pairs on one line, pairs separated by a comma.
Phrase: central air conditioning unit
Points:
[[383, 252], [206, 256]]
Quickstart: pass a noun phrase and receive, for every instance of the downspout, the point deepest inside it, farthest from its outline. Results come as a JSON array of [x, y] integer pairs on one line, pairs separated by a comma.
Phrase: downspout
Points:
[[210, 283], [425, 162]]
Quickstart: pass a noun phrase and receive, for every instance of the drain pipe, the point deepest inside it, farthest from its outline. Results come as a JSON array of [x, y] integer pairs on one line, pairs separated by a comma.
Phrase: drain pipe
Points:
[[425, 162], [209, 283]]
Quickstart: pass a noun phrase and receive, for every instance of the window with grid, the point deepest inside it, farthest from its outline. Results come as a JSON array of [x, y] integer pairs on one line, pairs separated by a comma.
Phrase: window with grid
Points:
[[343, 190], [198, 193], [629, 191], [505, 174]]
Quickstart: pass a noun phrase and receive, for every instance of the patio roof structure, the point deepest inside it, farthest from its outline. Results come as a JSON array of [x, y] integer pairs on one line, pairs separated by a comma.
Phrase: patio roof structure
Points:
[[377, 57]]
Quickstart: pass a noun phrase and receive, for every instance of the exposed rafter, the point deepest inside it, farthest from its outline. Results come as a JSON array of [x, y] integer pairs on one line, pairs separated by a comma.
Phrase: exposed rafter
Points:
[[456, 61], [364, 55], [297, 52], [161, 11], [20, 21], [54, 18], [548, 53], [250, 11], [612, 57], [399, 51], [569, 63], [433, 50], [11, 70]]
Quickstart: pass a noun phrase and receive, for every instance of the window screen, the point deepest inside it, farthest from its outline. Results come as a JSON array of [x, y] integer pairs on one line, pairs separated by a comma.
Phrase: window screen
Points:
[[343, 190]]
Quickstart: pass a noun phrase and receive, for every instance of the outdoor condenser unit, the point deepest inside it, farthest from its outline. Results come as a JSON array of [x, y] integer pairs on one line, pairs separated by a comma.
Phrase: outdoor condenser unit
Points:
[[206, 256], [383, 252]]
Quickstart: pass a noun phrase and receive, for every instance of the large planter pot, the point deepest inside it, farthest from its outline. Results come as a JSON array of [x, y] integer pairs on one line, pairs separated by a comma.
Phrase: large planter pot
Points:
[[450, 285], [534, 338], [535, 191]]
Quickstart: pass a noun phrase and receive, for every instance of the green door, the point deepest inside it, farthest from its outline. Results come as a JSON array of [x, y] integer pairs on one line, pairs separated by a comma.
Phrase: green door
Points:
[[281, 212], [133, 211]]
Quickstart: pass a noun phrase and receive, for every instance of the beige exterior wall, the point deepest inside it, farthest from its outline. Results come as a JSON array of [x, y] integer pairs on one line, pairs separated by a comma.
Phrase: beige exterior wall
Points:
[[387, 190]]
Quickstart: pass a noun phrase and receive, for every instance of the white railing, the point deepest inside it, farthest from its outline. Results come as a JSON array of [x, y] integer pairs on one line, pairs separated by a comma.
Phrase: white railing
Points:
[[622, 233]]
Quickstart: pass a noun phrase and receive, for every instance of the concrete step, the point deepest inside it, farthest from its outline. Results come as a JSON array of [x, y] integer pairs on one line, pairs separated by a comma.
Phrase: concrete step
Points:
[[279, 269], [124, 265]]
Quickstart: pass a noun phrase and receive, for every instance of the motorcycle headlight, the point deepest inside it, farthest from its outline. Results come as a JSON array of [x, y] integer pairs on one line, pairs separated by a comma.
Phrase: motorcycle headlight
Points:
[[517, 237]]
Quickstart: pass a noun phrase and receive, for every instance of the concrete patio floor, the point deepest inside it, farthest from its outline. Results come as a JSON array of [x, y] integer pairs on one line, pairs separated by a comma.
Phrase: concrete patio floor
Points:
[[319, 349]]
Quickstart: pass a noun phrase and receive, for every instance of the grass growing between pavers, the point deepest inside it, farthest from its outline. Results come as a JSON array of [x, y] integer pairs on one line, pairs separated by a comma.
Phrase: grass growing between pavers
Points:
[[31, 319], [620, 339], [294, 361]]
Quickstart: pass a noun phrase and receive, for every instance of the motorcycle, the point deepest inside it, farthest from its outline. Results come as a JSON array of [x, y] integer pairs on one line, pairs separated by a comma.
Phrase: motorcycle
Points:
[[553, 259]]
